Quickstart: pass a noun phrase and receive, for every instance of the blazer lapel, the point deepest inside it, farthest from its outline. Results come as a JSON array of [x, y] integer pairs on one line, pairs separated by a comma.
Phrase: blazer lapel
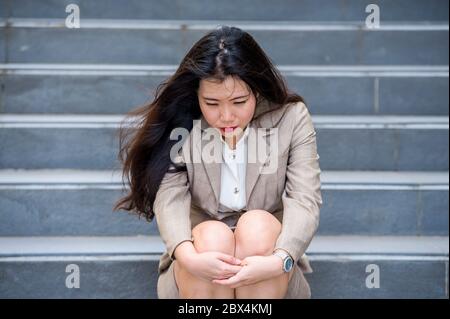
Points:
[[262, 127], [257, 159], [207, 147]]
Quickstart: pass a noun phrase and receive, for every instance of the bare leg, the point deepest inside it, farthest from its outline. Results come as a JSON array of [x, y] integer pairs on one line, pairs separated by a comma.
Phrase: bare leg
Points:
[[208, 236], [256, 234]]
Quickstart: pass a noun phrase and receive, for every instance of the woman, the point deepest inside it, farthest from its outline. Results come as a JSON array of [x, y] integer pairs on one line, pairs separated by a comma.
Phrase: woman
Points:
[[235, 221]]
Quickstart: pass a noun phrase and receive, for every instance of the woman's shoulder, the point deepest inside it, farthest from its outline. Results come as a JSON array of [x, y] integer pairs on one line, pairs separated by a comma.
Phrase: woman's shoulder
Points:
[[295, 108], [293, 113]]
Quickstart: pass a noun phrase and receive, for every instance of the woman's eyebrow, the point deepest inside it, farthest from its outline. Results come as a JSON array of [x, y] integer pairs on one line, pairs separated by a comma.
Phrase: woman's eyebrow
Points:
[[237, 97]]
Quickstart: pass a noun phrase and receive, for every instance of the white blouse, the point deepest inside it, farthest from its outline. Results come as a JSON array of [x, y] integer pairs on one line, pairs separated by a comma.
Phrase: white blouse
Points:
[[232, 184]]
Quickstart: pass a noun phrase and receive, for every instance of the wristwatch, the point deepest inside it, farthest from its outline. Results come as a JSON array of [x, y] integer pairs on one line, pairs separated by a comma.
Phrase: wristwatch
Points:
[[288, 262]]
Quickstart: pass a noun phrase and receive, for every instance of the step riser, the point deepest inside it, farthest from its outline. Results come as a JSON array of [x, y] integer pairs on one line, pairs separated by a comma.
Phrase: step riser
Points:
[[67, 213], [286, 47], [88, 213], [398, 279], [114, 279], [324, 95], [137, 279], [306, 10], [339, 149], [387, 149]]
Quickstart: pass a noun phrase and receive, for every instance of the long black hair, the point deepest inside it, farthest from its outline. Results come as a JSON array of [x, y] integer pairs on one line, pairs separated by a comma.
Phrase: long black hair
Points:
[[145, 146]]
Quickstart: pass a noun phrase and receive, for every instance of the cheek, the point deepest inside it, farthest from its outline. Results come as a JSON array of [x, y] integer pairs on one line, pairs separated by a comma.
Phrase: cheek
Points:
[[248, 112], [211, 115]]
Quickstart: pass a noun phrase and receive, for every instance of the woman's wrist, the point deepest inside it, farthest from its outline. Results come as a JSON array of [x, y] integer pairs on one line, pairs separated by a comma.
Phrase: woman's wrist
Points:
[[277, 264], [185, 252]]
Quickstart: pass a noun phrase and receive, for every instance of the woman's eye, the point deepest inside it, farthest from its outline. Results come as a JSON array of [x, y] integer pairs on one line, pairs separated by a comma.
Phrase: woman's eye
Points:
[[240, 102]]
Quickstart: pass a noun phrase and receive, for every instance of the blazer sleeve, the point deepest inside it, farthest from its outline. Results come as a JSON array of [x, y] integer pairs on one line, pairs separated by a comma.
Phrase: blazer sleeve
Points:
[[301, 197], [172, 207]]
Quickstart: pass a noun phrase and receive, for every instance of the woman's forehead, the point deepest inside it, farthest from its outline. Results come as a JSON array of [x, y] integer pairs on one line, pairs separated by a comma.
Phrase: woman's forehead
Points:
[[229, 88]]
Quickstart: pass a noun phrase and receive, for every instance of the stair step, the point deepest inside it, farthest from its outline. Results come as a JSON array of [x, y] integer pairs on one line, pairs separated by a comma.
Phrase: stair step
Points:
[[73, 176], [306, 10], [325, 47], [115, 267], [206, 25], [381, 90], [344, 246], [405, 143], [63, 202]]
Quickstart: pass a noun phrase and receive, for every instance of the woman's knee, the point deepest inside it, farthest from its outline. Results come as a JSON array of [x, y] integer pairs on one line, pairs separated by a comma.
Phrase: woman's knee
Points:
[[213, 236], [256, 233]]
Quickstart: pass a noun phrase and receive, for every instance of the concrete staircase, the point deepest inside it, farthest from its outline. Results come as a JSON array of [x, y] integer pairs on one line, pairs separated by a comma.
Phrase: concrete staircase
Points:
[[379, 100]]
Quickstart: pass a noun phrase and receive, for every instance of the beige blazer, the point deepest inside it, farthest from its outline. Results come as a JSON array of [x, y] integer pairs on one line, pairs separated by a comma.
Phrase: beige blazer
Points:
[[292, 192]]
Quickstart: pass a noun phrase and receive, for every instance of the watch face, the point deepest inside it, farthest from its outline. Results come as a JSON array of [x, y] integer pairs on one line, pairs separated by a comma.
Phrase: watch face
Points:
[[288, 264]]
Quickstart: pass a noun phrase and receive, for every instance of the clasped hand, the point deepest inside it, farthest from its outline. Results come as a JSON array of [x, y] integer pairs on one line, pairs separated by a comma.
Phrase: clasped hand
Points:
[[227, 270]]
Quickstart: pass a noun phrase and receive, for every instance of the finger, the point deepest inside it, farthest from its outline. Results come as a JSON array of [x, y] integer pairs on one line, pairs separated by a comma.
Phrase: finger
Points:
[[227, 282], [229, 259], [225, 275], [244, 263], [232, 270], [220, 277]]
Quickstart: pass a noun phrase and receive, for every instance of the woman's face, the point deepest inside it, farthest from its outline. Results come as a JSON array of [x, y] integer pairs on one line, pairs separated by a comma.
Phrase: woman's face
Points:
[[227, 105]]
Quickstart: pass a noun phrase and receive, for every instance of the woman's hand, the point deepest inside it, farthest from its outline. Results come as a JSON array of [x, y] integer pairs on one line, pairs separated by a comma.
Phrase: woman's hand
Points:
[[255, 269], [212, 265]]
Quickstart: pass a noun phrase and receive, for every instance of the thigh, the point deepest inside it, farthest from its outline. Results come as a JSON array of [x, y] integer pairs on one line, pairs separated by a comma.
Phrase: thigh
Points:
[[208, 236], [184, 281]]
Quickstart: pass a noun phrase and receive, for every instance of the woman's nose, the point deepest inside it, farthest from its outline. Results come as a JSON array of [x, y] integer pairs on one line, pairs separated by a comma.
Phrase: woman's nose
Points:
[[227, 116]]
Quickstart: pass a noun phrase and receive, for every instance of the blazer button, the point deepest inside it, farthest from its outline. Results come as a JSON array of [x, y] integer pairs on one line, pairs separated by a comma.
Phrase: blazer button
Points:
[[236, 190]]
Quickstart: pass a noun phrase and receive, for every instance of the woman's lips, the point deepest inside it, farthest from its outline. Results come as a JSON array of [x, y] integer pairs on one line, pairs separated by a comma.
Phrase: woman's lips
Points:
[[228, 129]]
